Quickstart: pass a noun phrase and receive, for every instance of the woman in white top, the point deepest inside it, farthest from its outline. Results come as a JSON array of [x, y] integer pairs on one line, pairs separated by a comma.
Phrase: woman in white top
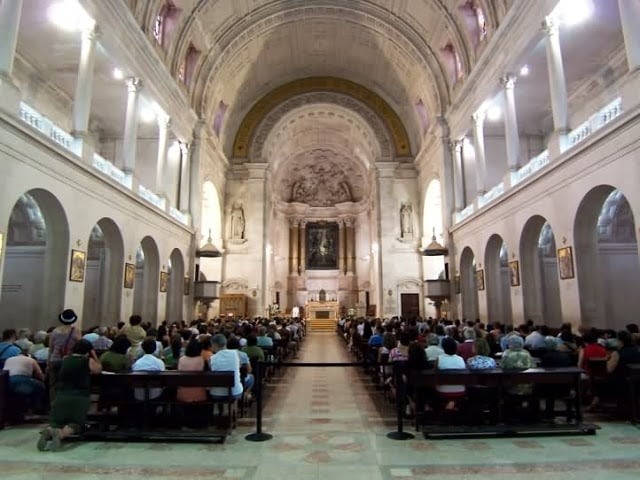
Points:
[[450, 361]]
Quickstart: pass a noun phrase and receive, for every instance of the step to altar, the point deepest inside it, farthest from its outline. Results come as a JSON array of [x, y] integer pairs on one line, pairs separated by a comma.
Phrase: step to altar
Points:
[[320, 325]]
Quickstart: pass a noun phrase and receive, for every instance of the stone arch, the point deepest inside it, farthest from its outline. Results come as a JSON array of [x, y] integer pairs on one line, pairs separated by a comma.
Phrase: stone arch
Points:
[[498, 288], [606, 258], [104, 273], [539, 272], [175, 287], [468, 284], [211, 224], [35, 262], [145, 292]]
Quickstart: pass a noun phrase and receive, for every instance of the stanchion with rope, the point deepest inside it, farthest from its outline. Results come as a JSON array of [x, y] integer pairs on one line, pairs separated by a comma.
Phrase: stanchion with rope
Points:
[[401, 401], [258, 435]]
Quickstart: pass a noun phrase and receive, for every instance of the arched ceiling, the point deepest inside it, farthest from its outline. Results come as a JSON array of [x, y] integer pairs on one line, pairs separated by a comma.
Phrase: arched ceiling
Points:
[[249, 48]]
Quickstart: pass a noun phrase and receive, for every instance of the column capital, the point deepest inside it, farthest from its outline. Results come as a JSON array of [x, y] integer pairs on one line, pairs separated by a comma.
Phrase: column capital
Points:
[[550, 25], [92, 32], [349, 221], [294, 222], [184, 148], [508, 80], [134, 84], [302, 223], [164, 121], [456, 145], [479, 116]]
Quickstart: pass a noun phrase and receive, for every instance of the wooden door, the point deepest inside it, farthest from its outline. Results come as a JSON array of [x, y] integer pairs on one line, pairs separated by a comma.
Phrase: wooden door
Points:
[[410, 305]]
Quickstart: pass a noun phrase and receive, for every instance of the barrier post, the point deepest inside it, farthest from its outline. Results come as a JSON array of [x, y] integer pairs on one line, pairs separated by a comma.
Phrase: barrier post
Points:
[[258, 435], [401, 400]]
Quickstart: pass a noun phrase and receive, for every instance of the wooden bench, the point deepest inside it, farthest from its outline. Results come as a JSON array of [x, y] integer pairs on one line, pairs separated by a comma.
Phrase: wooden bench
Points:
[[4, 397], [423, 383], [633, 375], [107, 426]]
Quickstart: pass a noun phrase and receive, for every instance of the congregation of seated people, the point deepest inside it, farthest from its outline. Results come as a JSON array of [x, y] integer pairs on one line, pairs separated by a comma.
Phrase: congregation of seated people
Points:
[[49, 371], [443, 344]]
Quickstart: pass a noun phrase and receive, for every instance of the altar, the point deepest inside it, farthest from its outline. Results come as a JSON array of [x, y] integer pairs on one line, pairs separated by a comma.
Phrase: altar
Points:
[[327, 310]]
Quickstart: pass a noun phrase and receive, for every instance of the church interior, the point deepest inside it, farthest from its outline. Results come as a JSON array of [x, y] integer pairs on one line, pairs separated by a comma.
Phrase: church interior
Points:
[[311, 161]]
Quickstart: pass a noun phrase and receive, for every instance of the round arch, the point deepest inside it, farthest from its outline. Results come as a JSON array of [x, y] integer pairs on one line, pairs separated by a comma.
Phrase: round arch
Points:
[[211, 223], [606, 258], [539, 272], [468, 284], [35, 261], [145, 290], [104, 273], [496, 264]]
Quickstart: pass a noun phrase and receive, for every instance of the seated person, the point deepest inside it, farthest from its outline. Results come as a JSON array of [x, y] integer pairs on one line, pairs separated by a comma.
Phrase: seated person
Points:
[[116, 359], [467, 348], [26, 380], [433, 351], [252, 350], [627, 353], [191, 362], [264, 340], [517, 358], [102, 342], [224, 360], [38, 342], [8, 348], [481, 360], [248, 381], [450, 361], [553, 357], [148, 363], [401, 352], [72, 401], [172, 352]]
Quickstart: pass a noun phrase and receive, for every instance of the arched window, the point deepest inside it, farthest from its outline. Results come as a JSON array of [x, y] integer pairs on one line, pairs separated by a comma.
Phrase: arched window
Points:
[[219, 117], [165, 23], [188, 66], [423, 115], [474, 20], [452, 62]]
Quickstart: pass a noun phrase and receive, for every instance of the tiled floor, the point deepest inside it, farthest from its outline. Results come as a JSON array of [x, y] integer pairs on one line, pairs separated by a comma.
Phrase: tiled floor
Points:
[[330, 423]]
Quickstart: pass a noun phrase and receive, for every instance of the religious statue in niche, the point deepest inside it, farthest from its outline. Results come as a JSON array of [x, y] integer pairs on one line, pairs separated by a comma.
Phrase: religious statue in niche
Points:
[[406, 221], [237, 222]]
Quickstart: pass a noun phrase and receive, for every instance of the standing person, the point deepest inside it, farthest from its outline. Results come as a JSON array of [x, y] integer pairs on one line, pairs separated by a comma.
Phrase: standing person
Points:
[[69, 409], [61, 342]]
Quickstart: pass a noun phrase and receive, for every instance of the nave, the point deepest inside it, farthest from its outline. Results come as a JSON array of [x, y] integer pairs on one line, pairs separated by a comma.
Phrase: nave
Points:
[[328, 422]]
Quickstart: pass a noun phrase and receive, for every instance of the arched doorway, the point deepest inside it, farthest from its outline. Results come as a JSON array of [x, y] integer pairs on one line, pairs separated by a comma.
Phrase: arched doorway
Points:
[[496, 264], [468, 285], [145, 293], [175, 288], [35, 264], [606, 259], [539, 273], [103, 277]]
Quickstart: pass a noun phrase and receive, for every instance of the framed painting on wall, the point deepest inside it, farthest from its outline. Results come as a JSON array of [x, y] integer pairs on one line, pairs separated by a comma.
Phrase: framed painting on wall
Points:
[[322, 246], [129, 275], [76, 270], [514, 273], [456, 284], [480, 279], [565, 263], [164, 281]]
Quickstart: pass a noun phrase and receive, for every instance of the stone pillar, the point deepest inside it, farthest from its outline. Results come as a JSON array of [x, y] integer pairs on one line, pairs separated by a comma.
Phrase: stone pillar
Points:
[[511, 135], [303, 246], [458, 175], [351, 246], [131, 125], [294, 236], [342, 247], [478, 138], [164, 123], [185, 178], [10, 12], [195, 179], [557, 86], [630, 19], [84, 85]]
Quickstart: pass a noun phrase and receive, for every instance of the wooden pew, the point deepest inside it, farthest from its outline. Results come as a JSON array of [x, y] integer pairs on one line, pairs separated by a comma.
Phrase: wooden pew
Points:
[[633, 373], [425, 381], [4, 397], [110, 427]]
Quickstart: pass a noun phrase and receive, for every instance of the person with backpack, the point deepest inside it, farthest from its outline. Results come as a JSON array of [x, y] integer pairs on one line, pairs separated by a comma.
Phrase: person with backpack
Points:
[[8, 348], [61, 342]]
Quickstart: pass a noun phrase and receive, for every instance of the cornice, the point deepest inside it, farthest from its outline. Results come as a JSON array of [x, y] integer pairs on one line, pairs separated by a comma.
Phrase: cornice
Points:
[[126, 42]]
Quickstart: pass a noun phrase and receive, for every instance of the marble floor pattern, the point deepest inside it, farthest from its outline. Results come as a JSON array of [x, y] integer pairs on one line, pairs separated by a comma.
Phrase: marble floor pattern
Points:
[[329, 423]]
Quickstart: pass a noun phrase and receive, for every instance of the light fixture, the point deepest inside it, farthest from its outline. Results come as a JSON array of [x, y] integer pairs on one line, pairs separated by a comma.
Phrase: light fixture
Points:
[[573, 12], [117, 74], [524, 71], [494, 113], [70, 16]]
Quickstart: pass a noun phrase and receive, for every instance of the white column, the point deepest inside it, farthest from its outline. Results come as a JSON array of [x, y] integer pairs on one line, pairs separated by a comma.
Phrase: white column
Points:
[[10, 11], [195, 181], [630, 19], [478, 139], [185, 181], [557, 83], [131, 125], [458, 176], [511, 135], [84, 84], [164, 123]]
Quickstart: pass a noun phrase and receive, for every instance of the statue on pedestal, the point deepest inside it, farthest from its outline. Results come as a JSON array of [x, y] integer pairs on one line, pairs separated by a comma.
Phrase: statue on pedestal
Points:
[[237, 222], [406, 221]]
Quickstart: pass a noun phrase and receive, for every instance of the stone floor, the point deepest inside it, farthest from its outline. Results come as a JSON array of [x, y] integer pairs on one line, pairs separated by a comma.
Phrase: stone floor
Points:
[[329, 423]]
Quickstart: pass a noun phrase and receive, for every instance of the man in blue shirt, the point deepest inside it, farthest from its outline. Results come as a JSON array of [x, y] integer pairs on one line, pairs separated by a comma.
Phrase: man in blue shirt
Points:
[[7, 348], [376, 339]]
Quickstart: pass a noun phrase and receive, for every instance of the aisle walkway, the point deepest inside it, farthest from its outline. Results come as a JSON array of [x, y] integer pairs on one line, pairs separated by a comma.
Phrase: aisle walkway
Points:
[[329, 423]]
